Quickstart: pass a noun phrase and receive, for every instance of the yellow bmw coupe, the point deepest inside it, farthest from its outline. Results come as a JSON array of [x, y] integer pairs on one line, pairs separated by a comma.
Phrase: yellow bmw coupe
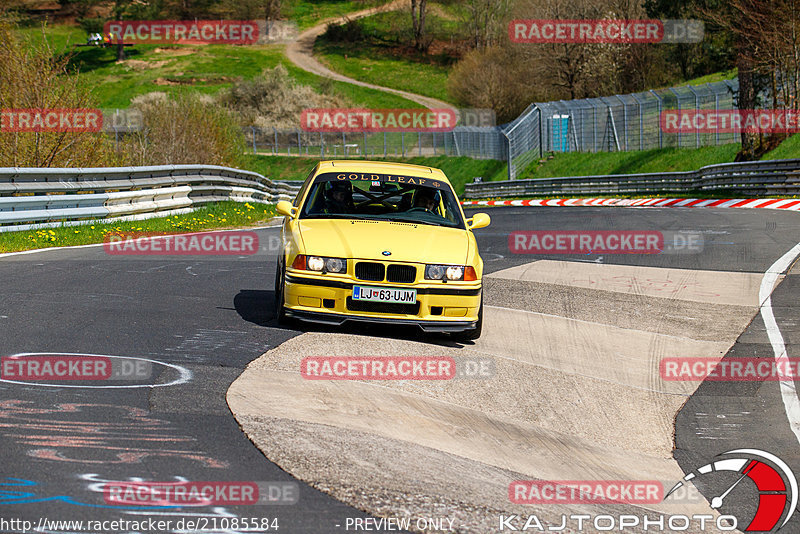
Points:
[[383, 243]]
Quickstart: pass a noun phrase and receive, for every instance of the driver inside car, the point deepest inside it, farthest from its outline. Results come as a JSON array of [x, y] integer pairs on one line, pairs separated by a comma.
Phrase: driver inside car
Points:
[[426, 199], [339, 198]]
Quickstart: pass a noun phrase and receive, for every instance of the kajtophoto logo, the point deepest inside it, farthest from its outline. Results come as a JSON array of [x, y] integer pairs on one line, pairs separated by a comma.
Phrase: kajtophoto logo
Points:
[[772, 482]]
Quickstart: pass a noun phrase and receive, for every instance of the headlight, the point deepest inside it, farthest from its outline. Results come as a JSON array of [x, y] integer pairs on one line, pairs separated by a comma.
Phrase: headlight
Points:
[[450, 272], [335, 265], [320, 264], [315, 263], [434, 272], [454, 273]]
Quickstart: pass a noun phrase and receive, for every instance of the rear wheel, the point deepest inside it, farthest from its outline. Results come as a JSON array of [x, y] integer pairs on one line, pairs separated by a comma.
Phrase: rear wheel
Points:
[[280, 280], [473, 333]]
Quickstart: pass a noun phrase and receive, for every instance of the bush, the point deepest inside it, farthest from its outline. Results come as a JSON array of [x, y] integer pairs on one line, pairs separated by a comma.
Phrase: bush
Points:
[[493, 78], [274, 100], [351, 31], [32, 78], [185, 129]]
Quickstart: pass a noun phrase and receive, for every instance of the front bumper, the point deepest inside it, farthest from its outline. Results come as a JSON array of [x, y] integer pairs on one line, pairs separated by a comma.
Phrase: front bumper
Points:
[[451, 307]]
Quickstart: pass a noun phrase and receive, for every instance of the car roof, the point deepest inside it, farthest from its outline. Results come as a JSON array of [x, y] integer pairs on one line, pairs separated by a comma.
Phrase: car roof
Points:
[[384, 167]]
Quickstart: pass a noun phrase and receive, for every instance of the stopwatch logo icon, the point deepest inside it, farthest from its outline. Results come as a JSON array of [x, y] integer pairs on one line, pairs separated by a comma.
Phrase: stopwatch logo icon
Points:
[[776, 485]]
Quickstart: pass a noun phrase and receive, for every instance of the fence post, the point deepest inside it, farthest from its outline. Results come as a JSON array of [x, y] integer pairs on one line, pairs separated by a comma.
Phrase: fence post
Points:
[[624, 120], [660, 130], [321, 146], [344, 145], [403, 144], [678, 98], [541, 147], [276, 139], [508, 155], [641, 121], [385, 152], [716, 112], [365, 144], [696, 109], [299, 144], [419, 141]]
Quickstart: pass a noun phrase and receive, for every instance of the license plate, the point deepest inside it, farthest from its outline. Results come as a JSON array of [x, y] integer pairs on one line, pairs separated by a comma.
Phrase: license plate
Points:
[[385, 294]]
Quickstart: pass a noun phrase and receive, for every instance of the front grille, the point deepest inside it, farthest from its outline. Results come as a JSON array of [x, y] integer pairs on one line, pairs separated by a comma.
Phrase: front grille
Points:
[[404, 274], [370, 271], [382, 307]]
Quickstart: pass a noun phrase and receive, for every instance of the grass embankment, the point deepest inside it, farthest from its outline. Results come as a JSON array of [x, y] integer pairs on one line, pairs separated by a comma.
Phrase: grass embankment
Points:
[[171, 69], [459, 170], [381, 54], [212, 216]]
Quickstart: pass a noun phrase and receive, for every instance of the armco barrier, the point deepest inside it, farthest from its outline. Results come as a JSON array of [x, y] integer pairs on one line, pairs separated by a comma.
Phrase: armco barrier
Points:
[[41, 196], [754, 179]]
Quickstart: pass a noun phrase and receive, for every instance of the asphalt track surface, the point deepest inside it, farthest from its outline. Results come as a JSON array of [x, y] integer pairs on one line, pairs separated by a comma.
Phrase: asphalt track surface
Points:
[[213, 316]]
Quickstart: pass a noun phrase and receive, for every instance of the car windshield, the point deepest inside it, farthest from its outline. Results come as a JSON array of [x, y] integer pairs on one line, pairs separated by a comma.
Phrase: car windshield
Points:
[[382, 197]]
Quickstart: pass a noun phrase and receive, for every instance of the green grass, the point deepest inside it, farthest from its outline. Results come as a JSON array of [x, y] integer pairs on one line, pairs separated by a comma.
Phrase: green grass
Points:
[[384, 57], [656, 160], [218, 215], [788, 149], [460, 170], [307, 14], [180, 68]]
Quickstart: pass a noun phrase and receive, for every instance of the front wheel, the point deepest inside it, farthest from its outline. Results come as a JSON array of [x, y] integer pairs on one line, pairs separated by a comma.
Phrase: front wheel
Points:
[[473, 333], [280, 280]]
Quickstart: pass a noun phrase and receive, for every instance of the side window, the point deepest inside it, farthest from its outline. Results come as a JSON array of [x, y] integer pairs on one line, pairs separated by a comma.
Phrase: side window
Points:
[[303, 189]]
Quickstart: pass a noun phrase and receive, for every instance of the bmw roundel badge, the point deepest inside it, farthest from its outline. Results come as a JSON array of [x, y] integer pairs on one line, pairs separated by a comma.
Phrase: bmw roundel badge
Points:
[[386, 253]]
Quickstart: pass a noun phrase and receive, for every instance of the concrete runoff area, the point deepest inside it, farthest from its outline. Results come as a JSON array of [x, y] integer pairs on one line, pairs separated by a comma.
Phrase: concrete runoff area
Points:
[[576, 394]]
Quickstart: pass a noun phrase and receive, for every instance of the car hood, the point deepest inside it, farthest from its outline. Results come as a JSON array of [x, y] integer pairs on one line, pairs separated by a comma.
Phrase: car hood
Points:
[[407, 242]]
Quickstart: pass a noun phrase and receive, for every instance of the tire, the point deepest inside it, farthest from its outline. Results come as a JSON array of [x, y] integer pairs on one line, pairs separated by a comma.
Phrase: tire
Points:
[[473, 333], [280, 308]]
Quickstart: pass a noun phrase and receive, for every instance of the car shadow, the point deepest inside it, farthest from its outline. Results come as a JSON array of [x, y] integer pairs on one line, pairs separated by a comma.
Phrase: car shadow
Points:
[[258, 307]]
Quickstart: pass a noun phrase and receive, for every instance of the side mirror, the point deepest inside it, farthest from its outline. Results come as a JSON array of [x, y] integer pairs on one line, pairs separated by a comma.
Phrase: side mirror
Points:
[[285, 208], [479, 220]]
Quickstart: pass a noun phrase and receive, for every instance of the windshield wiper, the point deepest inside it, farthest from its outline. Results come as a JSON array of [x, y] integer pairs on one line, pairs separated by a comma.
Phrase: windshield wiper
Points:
[[413, 221]]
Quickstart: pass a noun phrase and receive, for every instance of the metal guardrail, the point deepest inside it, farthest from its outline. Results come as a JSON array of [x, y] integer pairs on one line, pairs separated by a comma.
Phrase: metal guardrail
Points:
[[755, 179], [43, 195]]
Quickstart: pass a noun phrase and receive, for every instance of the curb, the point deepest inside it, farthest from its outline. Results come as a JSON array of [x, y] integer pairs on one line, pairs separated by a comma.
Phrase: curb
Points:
[[768, 203]]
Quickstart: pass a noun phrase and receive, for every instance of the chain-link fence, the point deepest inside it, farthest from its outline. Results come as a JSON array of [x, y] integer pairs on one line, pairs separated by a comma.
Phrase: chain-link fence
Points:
[[619, 122], [471, 141], [615, 123]]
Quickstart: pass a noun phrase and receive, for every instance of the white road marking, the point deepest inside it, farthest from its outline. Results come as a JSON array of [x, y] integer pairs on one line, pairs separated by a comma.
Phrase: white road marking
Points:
[[185, 375], [788, 392]]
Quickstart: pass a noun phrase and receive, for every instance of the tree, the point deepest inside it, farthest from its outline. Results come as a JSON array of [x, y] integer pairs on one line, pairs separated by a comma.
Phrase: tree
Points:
[[767, 50], [418, 9], [484, 20]]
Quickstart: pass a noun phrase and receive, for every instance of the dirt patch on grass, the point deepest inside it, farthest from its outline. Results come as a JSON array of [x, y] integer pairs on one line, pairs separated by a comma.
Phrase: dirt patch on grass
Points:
[[192, 80], [139, 64], [174, 51]]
